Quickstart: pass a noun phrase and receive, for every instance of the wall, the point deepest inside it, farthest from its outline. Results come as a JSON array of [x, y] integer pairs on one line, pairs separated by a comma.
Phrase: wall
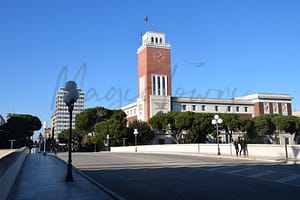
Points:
[[263, 151], [9, 169]]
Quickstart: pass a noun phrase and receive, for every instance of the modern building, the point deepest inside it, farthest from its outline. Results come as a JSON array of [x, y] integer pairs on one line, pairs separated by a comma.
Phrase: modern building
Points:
[[155, 89], [61, 117]]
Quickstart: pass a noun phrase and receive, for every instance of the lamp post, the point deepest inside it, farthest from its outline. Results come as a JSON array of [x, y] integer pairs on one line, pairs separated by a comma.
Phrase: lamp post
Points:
[[45, 127], [12, 143], [70, 98], [107, 142], [135, 132], [216, 121], [124, 141]]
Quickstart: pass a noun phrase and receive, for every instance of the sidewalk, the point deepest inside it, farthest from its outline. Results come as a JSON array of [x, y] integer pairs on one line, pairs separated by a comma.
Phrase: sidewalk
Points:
[[43, 177]]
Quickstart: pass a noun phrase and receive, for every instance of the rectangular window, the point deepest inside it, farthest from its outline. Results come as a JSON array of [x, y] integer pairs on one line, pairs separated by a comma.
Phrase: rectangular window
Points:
[[229, 108], [153, 86], [183, 107], [266, 108], [158, 85], [216, 108], [194, 107], [164, 86], [275, 108]]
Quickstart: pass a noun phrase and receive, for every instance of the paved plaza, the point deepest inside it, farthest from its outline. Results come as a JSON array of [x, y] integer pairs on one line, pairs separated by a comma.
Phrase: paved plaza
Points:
[[190, 176]]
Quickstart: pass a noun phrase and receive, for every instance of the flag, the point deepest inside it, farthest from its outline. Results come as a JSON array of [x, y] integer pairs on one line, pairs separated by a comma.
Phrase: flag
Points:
[[145, 19]]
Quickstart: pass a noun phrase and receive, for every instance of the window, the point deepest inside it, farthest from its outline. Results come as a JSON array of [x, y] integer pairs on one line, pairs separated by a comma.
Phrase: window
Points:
[[160, 40], [163, 86], [229, 108], [153, 86], [275, 108], [246, 109], [156, 40], [284, 109], [152, 39], [266, 108], [216, 108], [203, 107], [237, 109], [183, 107], [158, 85], [194, 107]]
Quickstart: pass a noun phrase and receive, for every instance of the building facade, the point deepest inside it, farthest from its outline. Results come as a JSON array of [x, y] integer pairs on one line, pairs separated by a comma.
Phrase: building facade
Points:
[[61, 118], [2, 120], [155, 89]]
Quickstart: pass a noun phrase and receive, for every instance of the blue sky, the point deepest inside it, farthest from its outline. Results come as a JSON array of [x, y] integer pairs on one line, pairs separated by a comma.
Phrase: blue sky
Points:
[[220, 48]]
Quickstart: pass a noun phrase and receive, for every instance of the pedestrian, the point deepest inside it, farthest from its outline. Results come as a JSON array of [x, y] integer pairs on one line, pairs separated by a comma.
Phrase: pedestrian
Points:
[[243, 147], [55, 146], [236, 145]]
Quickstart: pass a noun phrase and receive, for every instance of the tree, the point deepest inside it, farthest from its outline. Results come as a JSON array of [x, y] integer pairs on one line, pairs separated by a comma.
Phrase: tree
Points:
[[157, 121], [63, 137], [19, 127], [264, 125], [200, 128], [286, 123], [86, 120], [231, 122], [248, 126], [184, 120], [115, 127], [145, 135]]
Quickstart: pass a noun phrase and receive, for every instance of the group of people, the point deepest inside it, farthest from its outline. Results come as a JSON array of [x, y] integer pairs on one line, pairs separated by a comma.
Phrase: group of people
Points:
[[240, 146]]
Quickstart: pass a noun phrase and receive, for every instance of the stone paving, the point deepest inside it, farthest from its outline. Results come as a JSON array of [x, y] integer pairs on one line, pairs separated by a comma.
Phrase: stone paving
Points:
[[43, 177]]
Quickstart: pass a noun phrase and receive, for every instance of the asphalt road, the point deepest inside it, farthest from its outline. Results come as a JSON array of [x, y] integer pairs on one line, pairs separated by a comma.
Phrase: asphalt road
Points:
[[172, 176]]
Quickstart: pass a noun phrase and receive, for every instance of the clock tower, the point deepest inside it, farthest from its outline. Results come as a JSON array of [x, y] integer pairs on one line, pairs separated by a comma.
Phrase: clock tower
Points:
[[154, 76]]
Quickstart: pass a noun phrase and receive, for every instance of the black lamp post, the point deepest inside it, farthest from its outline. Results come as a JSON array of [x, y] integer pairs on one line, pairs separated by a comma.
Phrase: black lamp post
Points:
[[70, 98]]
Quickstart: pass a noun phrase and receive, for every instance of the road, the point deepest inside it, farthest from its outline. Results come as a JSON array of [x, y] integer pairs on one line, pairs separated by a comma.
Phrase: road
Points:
[[172, 176]]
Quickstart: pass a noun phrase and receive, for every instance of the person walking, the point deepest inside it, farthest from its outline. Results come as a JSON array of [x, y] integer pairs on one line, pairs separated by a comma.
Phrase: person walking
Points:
[[236, 145]]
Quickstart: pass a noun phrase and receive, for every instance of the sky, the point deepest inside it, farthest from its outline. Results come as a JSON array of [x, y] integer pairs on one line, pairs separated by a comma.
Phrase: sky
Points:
[[219, 49]]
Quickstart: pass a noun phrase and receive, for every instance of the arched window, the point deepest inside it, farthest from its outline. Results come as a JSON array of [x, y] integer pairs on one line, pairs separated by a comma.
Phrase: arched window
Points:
[[156, 40], [160, 40], [152, 39]]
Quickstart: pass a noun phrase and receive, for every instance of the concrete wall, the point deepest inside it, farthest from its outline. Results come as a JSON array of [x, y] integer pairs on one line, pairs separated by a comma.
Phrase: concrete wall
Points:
[[255, 150], [4, 152], [9, 169]]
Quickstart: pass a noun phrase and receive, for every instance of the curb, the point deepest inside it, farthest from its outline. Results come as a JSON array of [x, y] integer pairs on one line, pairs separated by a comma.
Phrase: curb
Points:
[[232, 157], [107, 191]]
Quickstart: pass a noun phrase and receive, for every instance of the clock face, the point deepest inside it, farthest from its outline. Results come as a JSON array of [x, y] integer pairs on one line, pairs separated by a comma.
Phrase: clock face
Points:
[[158, 56]]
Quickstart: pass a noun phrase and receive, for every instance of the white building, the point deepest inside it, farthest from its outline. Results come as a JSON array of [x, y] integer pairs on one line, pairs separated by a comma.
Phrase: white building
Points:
[[61, 117], [155, 89]]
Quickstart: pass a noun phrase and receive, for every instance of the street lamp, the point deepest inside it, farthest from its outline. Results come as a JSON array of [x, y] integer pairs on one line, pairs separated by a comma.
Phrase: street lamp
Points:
[[107, 142], [70, 98], [135, 132], [216, 121], [12, 143], [45, 127], [124, 141]]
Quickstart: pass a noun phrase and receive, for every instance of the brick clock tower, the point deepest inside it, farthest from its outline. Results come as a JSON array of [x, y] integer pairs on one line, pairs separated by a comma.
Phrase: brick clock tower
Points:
[[154, 76]]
